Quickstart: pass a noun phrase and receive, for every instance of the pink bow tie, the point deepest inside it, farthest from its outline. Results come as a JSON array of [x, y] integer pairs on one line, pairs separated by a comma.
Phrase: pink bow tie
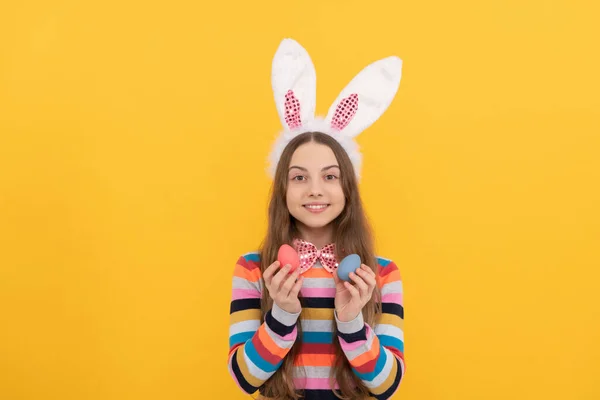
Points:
[[309, 254]]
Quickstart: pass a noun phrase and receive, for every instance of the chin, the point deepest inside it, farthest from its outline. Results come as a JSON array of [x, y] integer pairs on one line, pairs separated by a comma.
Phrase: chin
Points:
[[315, 224]]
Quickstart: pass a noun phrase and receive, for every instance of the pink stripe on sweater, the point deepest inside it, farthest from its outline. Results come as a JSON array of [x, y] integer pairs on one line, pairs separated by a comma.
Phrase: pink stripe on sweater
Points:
[[290, 336], [238, 294], [351, 346], [355, 345], [392, 298], [318, 292], [313, 383]]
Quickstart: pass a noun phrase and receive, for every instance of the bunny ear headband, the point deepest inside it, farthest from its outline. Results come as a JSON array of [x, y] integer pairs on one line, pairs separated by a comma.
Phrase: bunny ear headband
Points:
[[359, 104]]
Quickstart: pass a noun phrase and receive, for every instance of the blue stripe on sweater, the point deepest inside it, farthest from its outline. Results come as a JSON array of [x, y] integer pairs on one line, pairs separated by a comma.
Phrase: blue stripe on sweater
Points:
[[252, 257], [317, 337], [391, 341], [381, 360], [241, 337], [258, 360]]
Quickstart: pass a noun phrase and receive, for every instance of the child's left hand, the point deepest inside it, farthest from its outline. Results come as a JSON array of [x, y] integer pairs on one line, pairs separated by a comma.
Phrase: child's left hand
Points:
[[350, 299]]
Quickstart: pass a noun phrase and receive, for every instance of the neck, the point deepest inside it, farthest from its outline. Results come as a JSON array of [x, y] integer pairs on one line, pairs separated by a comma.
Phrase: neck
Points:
[[320, 237]]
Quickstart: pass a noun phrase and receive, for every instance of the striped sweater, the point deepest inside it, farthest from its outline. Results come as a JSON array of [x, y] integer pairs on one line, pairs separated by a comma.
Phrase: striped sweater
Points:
[[256, 351]]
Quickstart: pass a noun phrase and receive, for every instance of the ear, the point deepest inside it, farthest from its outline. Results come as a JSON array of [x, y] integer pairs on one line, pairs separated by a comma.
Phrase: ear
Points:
[[366, 97], [294, 83]]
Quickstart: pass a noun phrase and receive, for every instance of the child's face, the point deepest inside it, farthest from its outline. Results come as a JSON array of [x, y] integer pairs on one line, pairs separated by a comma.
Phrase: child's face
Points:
[[314, 192]]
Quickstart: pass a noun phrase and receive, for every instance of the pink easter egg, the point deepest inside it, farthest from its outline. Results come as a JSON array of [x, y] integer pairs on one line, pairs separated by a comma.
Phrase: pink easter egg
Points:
[[287, 255]]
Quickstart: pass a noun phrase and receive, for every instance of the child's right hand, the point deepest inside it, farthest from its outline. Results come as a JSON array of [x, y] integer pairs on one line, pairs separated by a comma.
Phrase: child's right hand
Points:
[[283, 287]]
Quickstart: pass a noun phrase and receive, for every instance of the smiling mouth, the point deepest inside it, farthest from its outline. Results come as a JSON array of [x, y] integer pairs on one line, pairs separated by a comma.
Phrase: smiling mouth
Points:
[[316, 207]]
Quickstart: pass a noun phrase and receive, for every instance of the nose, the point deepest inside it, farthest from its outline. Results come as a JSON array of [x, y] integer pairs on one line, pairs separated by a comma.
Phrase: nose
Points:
[[315, 188]]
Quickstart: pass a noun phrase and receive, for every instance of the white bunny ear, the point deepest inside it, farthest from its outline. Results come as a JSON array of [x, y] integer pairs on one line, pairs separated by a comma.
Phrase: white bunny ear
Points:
[[294, 83], [366, 97]]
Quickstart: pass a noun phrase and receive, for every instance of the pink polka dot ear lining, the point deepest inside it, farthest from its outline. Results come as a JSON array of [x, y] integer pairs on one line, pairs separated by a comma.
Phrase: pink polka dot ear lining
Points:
[[292, 110], [344, 112], [358, 105]]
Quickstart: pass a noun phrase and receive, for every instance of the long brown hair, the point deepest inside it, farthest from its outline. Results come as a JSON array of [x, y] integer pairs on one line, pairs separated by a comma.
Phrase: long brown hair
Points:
[[351, 234]]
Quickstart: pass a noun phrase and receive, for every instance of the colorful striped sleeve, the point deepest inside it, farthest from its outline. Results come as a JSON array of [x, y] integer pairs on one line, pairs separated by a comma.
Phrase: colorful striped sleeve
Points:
[[255, 350], [376, 355]]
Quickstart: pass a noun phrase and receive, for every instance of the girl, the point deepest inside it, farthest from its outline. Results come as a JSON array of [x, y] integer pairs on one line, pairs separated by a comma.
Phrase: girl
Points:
[[306, 333]]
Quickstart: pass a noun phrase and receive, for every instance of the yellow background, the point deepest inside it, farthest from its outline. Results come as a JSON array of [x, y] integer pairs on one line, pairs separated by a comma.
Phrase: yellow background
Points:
[[133, 139]]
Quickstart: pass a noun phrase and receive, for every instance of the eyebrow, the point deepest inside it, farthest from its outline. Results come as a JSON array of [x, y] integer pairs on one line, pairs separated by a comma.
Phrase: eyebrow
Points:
[[322, 169]]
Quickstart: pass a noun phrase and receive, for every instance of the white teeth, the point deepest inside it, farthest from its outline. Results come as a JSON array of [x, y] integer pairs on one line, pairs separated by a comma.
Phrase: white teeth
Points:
[[312, 207]]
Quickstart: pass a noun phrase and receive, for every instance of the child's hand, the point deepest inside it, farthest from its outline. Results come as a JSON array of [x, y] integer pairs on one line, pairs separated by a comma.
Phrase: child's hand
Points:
[[350, 299], [283, 287]]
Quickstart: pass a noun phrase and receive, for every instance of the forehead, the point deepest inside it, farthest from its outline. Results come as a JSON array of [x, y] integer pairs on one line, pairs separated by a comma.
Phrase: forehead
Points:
[[313, 154]]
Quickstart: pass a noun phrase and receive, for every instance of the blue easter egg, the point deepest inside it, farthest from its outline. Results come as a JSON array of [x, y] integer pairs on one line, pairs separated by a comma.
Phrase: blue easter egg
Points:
[[349, 264]]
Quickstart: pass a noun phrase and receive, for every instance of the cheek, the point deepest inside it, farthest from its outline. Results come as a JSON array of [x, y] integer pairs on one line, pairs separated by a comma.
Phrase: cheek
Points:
[[342, 202], [292, 195], [338, 195]]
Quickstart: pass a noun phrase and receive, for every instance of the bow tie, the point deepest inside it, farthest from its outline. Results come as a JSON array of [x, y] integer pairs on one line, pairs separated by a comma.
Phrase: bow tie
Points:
[[309, 254]]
